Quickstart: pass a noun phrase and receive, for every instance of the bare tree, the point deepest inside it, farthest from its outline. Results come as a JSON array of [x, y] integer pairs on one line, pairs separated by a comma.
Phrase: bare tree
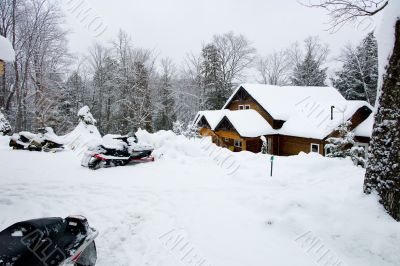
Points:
[[236, 55], [274, 68], [343, 11], [383, 170]]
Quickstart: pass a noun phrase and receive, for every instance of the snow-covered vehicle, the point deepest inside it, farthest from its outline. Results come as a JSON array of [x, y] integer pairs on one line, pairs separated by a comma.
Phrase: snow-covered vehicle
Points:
[[49, 241], [45, 140], [117, 150]]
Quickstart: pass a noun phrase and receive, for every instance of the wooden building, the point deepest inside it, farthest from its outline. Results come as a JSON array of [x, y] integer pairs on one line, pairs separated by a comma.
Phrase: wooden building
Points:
[[292, 119]]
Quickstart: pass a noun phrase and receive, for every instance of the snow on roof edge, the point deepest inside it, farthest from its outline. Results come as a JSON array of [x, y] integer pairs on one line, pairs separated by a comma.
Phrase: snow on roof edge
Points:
[[7, 52]]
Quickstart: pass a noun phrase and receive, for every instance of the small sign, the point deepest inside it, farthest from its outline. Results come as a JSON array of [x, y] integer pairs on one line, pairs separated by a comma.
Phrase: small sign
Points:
[[272, 163]]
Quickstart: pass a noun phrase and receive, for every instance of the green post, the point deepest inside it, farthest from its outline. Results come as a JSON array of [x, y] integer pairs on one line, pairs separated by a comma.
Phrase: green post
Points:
[[272, 163]]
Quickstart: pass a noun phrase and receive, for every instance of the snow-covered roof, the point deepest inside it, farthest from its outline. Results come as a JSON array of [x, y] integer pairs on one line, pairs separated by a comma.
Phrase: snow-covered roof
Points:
[[313, 120], [365, 128], [7, 52], [213, 117], [308, 112], [249, 123], [281, 102]]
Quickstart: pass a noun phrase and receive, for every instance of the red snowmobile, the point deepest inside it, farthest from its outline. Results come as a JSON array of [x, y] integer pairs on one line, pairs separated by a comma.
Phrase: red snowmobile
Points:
[[117, 150]]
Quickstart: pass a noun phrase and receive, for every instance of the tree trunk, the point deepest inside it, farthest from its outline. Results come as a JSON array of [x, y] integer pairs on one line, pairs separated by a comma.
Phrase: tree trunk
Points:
[[383, 171]]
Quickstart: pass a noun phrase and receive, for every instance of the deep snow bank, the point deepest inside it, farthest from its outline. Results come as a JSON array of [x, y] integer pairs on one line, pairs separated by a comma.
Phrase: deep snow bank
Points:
[[82, 137], [310, 207]]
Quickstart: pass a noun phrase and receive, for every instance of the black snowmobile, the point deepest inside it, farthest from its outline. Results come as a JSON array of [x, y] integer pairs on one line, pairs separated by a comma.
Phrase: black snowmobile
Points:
[[49, 241], [117, 150], [46, 140]]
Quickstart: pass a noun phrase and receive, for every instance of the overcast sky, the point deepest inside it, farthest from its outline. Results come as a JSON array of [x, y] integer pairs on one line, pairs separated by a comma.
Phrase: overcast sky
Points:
[[176, 27]]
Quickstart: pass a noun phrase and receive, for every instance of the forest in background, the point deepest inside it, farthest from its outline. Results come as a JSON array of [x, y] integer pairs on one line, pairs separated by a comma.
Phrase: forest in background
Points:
[[129, 87]]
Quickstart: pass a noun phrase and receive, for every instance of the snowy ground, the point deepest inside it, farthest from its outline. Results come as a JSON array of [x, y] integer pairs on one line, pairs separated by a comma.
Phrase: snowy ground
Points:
[[188, 207]]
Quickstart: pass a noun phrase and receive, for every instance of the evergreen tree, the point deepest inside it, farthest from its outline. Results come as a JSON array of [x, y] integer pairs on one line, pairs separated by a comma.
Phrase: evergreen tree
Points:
[[264, 147], [70, 101], [358, 79], [5, 127], [215, 91], [142, 97], [165, 116], [308, 69], [383, 170], [309, 72], [343, 145]]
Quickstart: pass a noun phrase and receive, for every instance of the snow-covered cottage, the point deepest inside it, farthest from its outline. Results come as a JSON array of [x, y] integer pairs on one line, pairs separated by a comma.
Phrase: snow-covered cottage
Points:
[[292, 119], [7, 53]]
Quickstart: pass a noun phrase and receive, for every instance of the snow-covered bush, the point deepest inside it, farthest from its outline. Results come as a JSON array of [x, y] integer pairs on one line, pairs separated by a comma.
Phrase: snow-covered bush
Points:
[[86, 116], [5, 126], [178, 127], [264, 147], [358, 156], [342, 146], [190, 131]]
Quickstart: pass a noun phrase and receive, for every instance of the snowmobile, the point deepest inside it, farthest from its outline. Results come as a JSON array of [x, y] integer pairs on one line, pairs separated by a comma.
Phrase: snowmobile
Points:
[[117, 150], [46, 140], [49, 241]]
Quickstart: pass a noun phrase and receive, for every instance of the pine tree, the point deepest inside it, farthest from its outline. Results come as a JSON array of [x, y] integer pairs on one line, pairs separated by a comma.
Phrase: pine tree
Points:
[[165, 115], [264, 147], [308, 71], [383, 170], [215, 91], [5, 127], [142, 101], [343, 145], [358, 79]]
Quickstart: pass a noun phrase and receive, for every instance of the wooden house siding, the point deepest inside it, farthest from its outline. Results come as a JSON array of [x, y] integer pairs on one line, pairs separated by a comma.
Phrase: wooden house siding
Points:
[[243, 98], [289, 145]]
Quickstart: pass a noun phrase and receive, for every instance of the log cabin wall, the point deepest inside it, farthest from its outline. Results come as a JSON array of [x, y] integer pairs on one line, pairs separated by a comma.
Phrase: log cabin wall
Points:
[[253, 145], [206, 132], [226, 139], [243, 98], [288, 145]]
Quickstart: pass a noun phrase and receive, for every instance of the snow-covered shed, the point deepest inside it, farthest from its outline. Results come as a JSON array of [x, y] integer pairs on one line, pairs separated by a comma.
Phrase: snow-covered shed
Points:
[[299, 118]]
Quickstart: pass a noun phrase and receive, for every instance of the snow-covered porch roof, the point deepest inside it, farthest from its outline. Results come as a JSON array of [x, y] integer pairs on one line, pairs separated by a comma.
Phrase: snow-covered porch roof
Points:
[[213, 117], [7, 52], [248, 123]]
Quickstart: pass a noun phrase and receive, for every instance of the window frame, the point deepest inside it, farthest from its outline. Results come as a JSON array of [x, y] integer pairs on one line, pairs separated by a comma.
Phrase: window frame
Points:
[[237, 141], [247, 107], [241, 107], [311, 148]]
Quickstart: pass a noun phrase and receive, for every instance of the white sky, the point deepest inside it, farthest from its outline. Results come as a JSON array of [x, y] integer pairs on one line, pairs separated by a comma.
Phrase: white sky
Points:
[[176, 27]]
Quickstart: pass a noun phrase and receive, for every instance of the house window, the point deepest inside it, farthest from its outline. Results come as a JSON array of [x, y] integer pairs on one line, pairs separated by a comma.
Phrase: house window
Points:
[[364, 146], [226, 139], [314, 147], [238, 143], [241, 107], [247, 106], [327, 150]]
